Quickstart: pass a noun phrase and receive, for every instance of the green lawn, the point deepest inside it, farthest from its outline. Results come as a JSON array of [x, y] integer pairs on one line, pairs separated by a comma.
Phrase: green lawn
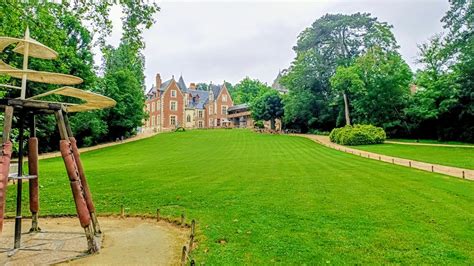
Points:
[[431, 141], [450, 156], [277, 199]]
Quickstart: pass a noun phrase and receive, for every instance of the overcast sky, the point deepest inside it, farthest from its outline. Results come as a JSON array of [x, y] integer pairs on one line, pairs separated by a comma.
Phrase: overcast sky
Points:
[[228, 40]]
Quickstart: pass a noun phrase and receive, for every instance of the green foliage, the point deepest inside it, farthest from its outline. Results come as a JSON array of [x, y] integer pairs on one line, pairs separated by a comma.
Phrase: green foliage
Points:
[[377, 84], [68, 28], [202, 86], [247, 90], [259, 124], [331, 41], [358, 135], [443, 107], [268, 107], [287, 200]]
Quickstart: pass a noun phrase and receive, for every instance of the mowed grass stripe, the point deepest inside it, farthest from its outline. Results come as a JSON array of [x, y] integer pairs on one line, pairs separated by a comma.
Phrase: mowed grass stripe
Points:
[[264, 199], [449, 156]]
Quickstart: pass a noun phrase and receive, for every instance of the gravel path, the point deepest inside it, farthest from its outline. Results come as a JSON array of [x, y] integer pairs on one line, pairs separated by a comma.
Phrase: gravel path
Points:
[[128, 241], [436, 168]]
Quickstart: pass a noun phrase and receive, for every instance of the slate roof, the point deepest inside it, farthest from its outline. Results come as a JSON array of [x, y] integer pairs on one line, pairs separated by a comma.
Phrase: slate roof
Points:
[[216, 89], [199, 101], [182, 84]]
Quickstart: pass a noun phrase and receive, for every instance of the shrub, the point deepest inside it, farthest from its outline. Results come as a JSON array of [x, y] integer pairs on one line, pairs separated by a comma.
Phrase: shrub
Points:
[[358, 135], [259, 124], [319, 132]]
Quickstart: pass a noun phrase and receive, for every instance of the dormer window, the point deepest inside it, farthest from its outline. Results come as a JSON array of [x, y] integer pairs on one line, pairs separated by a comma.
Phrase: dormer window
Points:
[[173, 93]]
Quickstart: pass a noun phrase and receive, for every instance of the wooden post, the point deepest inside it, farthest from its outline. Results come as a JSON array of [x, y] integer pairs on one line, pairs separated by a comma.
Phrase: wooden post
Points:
[[191, 239], [26, 51], [193, 227], [122, 212], [33, 184], [19, 191], [432, 168], [182, 219], [393, 161], [75, 183], [157, 215], [409, 163], [183, 256], [463, 175], [6, 153]]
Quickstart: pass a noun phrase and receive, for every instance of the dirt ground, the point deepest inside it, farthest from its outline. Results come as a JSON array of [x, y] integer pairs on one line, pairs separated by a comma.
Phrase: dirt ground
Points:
[[129, 241]]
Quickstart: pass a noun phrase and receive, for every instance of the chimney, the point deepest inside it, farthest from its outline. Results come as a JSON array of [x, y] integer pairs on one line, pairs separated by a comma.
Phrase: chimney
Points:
[[192, 86], [158, 80]]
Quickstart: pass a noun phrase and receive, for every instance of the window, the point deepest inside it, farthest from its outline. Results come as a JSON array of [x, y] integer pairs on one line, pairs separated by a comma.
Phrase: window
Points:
[[200, 124], [153, 106], [173, 120], [153, 121], [188, 118], [200, 114], [173, 106], [173, 93], [148, 107], [224, 109], [157, 118], [224, 98], [218, 122], [210, 109]]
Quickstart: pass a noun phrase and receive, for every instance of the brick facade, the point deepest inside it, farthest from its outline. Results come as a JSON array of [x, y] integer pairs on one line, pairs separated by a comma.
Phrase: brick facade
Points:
[[171, 104]]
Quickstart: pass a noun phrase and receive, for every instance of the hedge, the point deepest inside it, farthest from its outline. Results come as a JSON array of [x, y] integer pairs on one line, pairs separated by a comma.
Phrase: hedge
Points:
[[358, 135]]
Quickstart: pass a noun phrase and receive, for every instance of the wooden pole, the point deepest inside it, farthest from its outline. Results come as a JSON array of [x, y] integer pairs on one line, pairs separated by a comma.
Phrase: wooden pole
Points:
[[75, 183], [6, 153], [25, 63], [33, 184], [19, 187]]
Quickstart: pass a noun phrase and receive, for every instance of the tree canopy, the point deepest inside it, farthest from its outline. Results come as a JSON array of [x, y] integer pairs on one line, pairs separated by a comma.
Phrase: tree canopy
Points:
[[72, 29], [268, 107], [333, 40]]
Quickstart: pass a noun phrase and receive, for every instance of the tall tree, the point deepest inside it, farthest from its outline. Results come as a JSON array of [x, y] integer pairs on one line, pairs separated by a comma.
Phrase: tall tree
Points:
[[331, 41], [443, 107], [378, 83], [247, 90], [124, 78], [70, 28], [268, 107]]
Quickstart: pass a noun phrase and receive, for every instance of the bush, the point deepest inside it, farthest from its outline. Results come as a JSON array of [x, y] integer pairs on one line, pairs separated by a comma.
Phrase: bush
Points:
[[358, 135], [259, 124], [319, 132]]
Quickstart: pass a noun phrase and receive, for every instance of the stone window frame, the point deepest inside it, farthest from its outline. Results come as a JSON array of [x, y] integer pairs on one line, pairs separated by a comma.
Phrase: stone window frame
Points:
[[175, 105], [200, 114], [173, 93], [224, 97], [188, 118], [222, 109], [200, 124], [173, 117]]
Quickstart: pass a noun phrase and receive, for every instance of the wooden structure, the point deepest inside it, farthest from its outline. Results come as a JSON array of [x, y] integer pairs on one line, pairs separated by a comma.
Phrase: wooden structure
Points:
[[26, 109]]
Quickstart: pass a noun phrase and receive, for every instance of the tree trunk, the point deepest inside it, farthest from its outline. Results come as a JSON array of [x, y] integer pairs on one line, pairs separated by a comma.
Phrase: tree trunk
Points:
[[272, 123], [346, 109]]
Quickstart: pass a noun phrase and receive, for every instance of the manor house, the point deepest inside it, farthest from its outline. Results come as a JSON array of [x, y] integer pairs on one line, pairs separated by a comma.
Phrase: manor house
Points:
[[172, 104]]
